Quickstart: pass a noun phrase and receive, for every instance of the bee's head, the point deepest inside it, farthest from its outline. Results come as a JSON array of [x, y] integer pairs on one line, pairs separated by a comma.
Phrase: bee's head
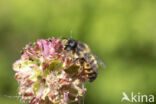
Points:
[[71, 44]]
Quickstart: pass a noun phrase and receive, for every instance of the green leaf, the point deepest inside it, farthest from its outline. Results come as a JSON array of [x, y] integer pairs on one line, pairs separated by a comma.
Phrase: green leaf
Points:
[[54, 65], [72, 69], [36, 87], [36, 73]]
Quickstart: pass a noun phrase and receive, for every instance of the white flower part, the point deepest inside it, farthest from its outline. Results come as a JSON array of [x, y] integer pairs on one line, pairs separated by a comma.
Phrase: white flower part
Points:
[[45, 92], [76, 82]]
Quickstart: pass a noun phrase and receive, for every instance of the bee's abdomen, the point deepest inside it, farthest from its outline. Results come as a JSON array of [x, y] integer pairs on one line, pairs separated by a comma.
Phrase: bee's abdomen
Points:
[[89, 69], [92, 77], [90, 74]]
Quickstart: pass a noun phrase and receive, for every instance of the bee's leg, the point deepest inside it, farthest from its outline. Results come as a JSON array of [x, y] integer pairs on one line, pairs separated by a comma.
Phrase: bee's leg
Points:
[[75, 59], [81, 60]]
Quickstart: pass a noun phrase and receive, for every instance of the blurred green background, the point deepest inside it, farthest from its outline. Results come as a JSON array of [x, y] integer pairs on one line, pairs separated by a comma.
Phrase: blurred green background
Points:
[[121, 32]]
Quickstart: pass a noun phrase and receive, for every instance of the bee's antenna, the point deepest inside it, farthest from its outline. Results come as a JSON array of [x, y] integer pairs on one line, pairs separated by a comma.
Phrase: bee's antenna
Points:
[[70, 34]]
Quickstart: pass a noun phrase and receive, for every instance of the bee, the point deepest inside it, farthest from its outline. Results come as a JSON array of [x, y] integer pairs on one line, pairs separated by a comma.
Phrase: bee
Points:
[[82, 53]]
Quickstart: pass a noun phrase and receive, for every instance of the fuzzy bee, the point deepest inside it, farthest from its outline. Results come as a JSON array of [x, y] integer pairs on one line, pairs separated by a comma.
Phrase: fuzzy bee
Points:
[[82, 53]]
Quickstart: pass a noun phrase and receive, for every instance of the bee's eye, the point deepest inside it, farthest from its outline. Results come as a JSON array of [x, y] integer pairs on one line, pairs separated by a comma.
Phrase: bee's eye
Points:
[[72, 43]]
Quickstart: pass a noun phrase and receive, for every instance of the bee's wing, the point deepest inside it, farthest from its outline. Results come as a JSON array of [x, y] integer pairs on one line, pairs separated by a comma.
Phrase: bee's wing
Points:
[[100, 62]]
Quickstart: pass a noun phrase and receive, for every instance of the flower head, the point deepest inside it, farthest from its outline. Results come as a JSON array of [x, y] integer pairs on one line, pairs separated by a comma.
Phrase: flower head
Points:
[[47, 74]]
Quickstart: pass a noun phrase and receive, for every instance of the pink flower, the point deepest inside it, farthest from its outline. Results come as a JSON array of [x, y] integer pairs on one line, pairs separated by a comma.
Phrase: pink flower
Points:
[[42, 74]]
